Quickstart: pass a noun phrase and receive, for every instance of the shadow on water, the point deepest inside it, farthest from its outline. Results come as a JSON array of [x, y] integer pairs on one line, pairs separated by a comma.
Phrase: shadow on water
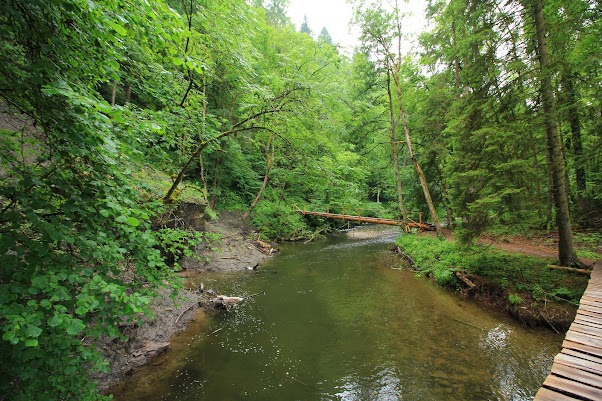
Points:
[[337, 323]]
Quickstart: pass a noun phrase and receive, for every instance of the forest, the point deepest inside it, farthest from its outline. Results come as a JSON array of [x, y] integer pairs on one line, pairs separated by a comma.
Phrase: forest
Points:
[[112, 112]]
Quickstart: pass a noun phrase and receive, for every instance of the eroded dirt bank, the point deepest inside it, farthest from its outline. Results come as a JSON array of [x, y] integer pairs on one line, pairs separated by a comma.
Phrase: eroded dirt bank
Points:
[[237, 250]]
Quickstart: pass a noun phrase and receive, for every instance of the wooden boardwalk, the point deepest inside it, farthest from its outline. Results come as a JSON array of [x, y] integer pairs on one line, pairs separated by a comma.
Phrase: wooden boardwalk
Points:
[[577, 370]]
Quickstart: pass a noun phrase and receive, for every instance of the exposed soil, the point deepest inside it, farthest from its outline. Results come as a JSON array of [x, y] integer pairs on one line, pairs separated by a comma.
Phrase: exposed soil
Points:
[[235, 251]]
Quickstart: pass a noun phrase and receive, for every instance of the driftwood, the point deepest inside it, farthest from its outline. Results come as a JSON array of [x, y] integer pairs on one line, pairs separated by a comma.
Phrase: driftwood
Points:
[[404, 255], [571, 269], [226, 302], [462, 277], [264, 247]]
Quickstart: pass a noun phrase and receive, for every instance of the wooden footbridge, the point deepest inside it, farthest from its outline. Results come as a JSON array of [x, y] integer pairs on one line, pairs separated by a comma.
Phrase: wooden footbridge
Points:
[[577, 370], [407, 225]]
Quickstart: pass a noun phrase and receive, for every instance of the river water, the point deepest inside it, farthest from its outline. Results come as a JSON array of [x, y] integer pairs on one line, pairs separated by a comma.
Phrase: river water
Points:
[[336, 322]]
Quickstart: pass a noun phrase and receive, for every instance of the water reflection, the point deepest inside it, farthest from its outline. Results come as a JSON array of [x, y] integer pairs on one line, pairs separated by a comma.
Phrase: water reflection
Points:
[[336, 323]]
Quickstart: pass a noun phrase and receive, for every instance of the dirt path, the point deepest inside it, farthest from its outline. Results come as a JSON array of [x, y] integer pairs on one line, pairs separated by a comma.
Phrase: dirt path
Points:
[[541, 247]]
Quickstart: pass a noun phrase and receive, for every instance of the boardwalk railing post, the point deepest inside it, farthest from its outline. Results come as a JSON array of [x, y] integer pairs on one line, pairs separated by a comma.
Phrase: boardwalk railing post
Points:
[[359, 212]]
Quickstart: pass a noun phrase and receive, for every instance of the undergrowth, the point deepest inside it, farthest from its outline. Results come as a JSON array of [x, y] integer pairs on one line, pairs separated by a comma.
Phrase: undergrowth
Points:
[[512, 272]]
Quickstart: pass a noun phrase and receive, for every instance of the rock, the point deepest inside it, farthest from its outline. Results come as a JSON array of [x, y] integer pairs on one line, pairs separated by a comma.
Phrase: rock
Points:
[[151, 349]]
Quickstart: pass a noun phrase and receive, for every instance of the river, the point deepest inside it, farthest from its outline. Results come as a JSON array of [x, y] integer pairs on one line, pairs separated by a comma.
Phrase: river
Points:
[[336, 322]]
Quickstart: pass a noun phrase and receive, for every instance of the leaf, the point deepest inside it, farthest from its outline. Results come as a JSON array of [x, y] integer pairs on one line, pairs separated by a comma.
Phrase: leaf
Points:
[[177, 61], [132, 221], [31, 342], [105, 213], [9, 335], [55, 321], [118, 28], [75, 327], [33, 331], [121, 219]]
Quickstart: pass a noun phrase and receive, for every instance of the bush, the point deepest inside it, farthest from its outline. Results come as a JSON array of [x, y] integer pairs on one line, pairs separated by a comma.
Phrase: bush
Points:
[[278, 222]]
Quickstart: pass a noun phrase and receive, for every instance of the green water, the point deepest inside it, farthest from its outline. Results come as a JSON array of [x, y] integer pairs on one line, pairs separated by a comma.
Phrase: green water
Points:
[[337, 323]]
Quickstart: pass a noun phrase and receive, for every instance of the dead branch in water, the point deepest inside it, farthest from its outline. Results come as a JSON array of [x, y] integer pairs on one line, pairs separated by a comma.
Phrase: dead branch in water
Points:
[[462, 277], [404, 255]]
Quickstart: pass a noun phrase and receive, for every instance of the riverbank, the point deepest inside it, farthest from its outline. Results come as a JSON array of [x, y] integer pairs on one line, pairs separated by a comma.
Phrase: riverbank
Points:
[[511, 278], [236, 250]]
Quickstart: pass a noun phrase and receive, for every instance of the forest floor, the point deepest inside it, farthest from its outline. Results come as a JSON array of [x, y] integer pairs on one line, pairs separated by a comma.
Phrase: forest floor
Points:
[[552, 312], [541, 246], [235, 251]]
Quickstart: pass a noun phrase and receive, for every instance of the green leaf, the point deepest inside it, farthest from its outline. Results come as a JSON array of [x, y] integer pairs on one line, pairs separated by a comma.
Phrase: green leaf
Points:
[[118, 28], [33, 331], [105, 213], [9, 335], [55, 321], [31, 342], [132, 221], [177, 61], [121, 219], [75, 327]]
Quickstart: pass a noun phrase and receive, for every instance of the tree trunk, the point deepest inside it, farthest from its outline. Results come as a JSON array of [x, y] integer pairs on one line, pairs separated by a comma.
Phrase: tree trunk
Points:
[[566, 248], [456, 61], [449, 219], [402, 210], [421, 177], [575, 123], [113, 93], [128, 93], [270, 158], [218, 163]]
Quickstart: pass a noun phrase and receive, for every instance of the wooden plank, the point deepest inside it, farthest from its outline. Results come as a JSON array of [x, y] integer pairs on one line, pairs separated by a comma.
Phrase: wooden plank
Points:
[[583, 311], [579, 363], [587, 322], [585, 339], [582, 355], [579, 375], [581, 328], [591, 298], [573, 388], [591, 309], [590, 303], [591, 316], [545, 394], [582, 347]]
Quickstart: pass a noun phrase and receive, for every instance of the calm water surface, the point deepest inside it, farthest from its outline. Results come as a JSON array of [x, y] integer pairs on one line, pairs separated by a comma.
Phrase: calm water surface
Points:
[[337, 323]]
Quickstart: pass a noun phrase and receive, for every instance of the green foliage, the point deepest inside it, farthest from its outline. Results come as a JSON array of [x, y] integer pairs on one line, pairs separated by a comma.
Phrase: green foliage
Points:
[[515, 299], [511, 271], [278, 221], [175, 243]]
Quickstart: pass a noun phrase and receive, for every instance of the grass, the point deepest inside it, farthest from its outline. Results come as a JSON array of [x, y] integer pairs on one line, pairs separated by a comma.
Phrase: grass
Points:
[[514, 273]]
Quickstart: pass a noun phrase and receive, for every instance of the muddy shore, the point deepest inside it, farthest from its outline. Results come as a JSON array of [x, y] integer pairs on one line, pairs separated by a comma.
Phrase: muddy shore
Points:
[[237, 250]]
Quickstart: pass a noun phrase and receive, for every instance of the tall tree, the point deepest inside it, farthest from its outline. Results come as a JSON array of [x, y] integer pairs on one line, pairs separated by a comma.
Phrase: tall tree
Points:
[[325, 36], [305, 26], [566, 248], [276, 13], [382, 31]]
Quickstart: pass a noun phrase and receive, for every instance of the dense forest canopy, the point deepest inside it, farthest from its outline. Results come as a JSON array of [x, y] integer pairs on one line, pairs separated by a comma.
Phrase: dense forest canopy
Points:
[[113, 111]]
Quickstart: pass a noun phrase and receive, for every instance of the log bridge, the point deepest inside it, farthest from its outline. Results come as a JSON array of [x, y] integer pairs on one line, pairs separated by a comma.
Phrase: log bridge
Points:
[[577, 370], [407, 225]]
